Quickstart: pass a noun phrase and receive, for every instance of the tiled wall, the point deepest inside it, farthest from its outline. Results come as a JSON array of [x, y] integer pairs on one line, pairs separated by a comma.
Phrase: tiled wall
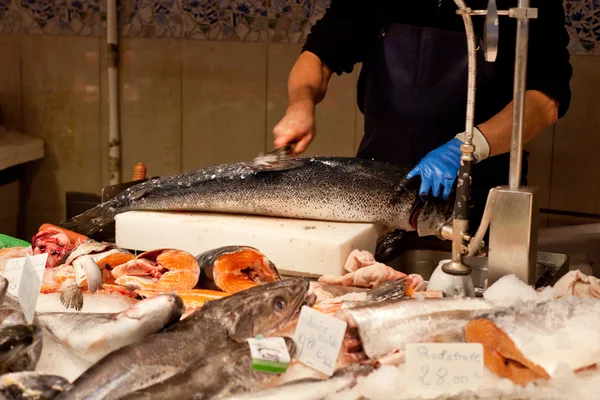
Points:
[[204, 82]]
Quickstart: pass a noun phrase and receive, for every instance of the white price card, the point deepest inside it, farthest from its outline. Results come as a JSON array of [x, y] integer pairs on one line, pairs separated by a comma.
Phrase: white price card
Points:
[[435, 369], [14, 270], [319, 338], [25, 277], [269, 354]]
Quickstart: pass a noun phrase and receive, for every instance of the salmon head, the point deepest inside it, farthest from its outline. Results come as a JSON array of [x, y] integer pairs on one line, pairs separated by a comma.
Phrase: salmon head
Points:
[[261, 310]]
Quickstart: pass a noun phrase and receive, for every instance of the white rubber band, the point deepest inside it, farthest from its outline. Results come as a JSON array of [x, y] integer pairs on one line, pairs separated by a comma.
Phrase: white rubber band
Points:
[[482, 147]]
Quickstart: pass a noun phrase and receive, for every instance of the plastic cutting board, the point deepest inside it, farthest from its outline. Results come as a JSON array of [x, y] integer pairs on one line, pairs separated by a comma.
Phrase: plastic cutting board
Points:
[[297, 247]]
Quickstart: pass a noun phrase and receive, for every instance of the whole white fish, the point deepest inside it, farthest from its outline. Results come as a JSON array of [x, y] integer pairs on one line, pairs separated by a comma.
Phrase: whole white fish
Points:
[[94, 335], [308, 389], [219, 323], [226, 372], [530, 341], [386, 327]]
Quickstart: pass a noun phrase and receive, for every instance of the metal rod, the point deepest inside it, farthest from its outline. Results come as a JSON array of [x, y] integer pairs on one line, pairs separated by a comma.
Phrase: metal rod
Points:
[[484, 12], [114, 123], [460, 223], [516, 148], [472, 70]]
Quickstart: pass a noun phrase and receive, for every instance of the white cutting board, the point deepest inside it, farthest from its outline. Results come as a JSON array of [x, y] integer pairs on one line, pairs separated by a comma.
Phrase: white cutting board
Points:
[[297, 247]]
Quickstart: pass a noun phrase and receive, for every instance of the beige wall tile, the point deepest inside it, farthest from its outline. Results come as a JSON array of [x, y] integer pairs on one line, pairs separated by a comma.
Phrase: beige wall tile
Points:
[[150, 95], [224, 92], [540, 164], [61, 106], [281, 59], [335, 116], [575, 164], [10, 81]]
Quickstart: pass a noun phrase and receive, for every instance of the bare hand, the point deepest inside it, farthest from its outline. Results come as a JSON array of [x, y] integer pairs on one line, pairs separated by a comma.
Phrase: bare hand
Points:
[[298, 124]]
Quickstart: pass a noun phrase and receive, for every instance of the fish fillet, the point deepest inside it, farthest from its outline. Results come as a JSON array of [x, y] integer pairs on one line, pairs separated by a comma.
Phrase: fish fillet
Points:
[[528, 342]]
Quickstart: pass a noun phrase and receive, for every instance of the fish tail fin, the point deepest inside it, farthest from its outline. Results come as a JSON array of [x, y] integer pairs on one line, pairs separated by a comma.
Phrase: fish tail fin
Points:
[[95, 223]]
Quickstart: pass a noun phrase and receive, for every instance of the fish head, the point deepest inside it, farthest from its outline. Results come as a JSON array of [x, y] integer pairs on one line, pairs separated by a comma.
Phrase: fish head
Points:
[[432, 216], [162, 309], [264, 309]]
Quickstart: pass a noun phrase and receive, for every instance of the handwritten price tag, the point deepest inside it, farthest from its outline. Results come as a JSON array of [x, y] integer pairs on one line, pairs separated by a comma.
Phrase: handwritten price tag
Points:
[[14, 271], [435, 369], [319, 338], [25, 281]]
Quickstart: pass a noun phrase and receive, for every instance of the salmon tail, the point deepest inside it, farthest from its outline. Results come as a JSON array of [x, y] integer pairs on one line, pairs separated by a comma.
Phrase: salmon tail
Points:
[[96, 223]]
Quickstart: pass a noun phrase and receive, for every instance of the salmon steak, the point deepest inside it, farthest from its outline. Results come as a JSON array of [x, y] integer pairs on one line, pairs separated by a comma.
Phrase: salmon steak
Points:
[[162, 270], [529, 342], [236, 268]]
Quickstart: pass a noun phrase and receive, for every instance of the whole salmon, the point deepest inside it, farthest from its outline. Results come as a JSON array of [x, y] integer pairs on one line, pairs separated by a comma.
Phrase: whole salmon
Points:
[[340, 189]]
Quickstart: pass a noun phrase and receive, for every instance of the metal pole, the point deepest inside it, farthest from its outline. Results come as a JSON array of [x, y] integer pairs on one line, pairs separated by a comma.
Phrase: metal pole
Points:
[[521, 49], [460, 223]]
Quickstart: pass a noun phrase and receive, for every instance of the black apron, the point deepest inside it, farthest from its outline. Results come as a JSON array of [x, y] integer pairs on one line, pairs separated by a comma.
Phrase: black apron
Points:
[[415, 96]]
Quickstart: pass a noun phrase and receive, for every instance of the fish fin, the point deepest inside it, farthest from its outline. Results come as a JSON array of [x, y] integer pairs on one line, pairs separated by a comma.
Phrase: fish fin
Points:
[[96, 223], [71, 297], [390, 246], [93, 274]]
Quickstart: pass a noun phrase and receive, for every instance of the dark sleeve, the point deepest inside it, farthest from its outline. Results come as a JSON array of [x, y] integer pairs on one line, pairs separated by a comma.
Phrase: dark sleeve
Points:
[[549, 68], [340, 38]]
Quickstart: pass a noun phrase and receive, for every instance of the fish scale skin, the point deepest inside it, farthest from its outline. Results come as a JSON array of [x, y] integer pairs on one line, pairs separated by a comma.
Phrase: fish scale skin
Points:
[[161, 355], [323, 188]]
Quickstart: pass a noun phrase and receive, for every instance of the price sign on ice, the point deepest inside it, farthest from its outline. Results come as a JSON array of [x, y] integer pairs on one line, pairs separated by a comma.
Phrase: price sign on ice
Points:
[[14, 271], [444, 368], [24, 277], [319, 339]]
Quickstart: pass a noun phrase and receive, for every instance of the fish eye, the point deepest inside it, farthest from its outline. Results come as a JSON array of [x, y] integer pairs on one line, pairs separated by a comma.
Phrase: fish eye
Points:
[[279, 304]]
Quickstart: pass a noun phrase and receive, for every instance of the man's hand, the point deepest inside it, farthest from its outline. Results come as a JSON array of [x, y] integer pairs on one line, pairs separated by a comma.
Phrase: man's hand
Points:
[[439, 168], [298, 125]]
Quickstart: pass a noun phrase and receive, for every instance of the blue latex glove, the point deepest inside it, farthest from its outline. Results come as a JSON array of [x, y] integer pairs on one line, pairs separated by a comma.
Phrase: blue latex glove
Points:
[[439, 168]]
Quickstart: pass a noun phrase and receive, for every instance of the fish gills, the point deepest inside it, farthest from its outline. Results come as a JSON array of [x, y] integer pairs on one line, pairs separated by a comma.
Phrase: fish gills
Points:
[[501, 355]]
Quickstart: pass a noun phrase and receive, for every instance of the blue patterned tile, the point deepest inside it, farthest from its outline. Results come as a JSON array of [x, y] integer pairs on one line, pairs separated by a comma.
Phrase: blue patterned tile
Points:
[[10, 17], [283, 21], [151, 19], [64, 17], [583, 23], [225, 19], [290, 20]]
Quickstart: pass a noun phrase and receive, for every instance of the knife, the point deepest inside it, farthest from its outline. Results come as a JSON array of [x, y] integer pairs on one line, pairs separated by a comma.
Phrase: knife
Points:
[[276, 160]]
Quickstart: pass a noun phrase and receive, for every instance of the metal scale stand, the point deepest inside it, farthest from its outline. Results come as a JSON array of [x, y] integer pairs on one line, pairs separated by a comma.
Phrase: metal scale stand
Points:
[[511, 211]]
